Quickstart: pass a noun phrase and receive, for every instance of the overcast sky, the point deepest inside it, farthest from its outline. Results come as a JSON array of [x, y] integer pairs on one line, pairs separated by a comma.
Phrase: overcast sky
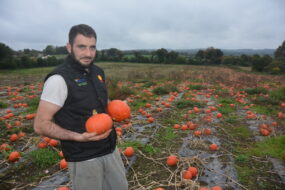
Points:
[[145, 24]]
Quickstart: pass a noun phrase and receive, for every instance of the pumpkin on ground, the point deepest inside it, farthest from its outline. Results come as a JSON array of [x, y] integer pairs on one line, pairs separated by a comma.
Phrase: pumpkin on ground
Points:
[[129, 151], [98, 123], [63, 164], [14, 156], [171, 160], [118, 110]]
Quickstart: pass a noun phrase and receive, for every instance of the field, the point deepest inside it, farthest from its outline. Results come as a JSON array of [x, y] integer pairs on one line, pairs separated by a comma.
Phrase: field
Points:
[[227, 123]]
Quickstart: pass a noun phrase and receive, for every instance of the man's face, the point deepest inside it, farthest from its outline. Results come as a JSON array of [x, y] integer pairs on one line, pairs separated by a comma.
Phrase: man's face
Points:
[[83, 49]]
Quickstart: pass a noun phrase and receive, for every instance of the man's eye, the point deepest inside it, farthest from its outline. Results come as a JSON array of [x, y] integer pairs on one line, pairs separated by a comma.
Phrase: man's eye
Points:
[[93, 48], [81, 47]]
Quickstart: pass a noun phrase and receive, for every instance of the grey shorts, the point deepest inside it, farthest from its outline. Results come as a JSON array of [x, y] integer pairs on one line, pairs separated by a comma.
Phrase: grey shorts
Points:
[[102, 173]]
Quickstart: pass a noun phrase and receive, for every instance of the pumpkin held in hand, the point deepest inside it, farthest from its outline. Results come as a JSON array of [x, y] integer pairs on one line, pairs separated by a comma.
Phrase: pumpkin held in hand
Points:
[[118, 110], [98, 123]]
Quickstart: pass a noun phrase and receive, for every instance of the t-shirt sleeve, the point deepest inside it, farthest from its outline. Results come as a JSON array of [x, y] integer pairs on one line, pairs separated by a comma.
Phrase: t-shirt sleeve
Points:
[[55, 90]]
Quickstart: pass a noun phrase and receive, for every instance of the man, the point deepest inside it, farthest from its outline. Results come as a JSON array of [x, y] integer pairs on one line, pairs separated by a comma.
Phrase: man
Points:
[[70, 95]]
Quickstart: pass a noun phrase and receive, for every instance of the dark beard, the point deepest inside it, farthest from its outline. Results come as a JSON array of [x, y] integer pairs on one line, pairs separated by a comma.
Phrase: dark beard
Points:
[[85, 66]]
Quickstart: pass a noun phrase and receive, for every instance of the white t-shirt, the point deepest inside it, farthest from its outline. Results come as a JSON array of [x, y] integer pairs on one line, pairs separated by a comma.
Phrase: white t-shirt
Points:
[[55, 90]]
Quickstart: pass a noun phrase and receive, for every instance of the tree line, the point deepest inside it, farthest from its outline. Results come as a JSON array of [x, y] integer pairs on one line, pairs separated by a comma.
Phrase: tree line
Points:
[[27, 58]]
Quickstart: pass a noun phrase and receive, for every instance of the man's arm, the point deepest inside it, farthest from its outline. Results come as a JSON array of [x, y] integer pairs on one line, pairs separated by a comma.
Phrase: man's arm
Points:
[[44, 126]]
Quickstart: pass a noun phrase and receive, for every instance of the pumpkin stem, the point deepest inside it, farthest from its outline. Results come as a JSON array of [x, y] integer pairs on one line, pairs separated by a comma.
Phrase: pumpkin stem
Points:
[[94, 112]]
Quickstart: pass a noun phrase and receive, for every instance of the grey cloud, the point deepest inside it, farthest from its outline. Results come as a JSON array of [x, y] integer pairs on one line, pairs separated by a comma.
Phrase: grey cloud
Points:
[[148, 24]]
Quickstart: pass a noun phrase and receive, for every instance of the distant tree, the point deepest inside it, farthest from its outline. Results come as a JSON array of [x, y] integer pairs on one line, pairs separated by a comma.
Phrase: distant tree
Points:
[[138, 56], [49, 50], [277, 66], [210, 56], [6, 57], [280, 51], [172, 57], [113, 54], [245, 60], [61, 50], [200, 54], [259, 63], [161, 55]]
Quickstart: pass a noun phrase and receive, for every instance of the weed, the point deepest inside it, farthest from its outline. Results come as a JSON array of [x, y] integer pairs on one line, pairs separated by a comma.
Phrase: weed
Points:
[[274, 146], [167, 135], [278, 94], [181, 104], [138, 104], [3, 105], [231, 119], [148, 84], [265, 100], [226, 101], [225, 109], [242, 158], [44, 158], [258, 90], [160, 91], [196, 87], [264, 109]]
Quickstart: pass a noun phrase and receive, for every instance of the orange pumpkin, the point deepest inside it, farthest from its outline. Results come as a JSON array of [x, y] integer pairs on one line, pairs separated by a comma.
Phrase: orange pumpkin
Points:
[[217, 188], [193, 170], [4, 147], [203, 188], [53, 142], [187, 175], [171, 160], [119, 110], [13, 137], [63, 164], [129, 152], [98, 123], [63, 188], [14, 156], [213, 147]]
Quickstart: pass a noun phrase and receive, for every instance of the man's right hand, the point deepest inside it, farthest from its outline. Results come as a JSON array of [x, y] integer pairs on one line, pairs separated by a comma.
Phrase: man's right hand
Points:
[[85, 137]]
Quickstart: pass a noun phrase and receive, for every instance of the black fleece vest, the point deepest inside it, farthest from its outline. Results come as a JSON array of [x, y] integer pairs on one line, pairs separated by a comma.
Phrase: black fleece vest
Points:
[[86, 92]]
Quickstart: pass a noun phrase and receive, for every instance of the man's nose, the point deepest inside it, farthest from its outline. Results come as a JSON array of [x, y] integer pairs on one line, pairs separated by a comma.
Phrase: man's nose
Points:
[[88, 52]]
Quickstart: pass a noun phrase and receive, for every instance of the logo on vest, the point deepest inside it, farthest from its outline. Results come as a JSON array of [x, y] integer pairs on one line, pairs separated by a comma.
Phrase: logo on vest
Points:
[[100, 78], [81, 82]]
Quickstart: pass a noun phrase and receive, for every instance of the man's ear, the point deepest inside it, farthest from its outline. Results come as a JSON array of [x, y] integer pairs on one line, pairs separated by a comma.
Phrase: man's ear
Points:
[[68, 47]]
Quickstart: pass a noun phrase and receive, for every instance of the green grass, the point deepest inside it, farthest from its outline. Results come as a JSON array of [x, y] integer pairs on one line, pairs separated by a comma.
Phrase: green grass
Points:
[[181, 104], [257, 90], [264, 109], [196, 87], [3, 105], [226, 101], [32, 71], [231, 118], [274, 147], [226, 109], [265, 101], [44, 158], [140, 103], [167, 135], [278, 94], [160, 91]]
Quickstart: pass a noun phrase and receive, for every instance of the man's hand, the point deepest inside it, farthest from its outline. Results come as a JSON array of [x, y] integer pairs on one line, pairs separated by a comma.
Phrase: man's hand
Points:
[[85, 137]]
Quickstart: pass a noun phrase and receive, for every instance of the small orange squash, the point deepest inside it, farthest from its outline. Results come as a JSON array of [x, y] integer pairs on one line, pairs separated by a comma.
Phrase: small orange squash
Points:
[[119, 110], [129, 151], [14, 156], [171, 160], [98, 123]]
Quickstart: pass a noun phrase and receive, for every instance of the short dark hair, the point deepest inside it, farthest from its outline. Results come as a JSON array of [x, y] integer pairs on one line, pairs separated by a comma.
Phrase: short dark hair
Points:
[[83, 29]]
